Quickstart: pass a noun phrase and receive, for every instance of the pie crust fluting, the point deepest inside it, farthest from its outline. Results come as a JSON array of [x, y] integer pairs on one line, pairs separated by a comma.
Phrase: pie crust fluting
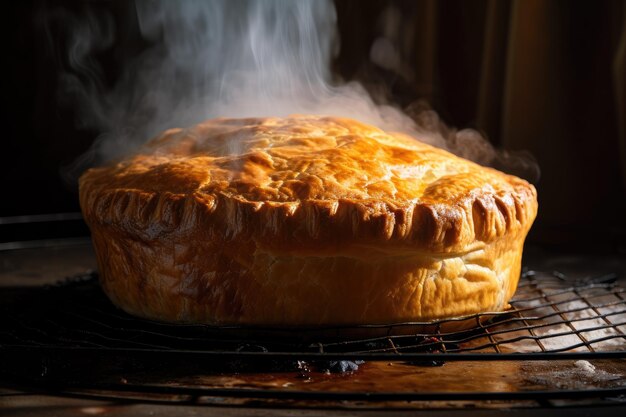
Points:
[[304, 221]]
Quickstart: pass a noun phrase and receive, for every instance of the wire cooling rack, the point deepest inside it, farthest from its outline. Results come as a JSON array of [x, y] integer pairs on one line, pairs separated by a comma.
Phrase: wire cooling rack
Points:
[[549, 314], [52, 334]]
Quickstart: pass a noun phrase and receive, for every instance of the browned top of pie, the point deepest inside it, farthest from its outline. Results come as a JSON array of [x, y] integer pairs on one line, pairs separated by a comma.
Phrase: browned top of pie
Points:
[[307, 180]]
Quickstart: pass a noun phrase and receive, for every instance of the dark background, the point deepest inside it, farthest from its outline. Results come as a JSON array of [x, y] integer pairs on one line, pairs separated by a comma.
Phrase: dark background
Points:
[[544, 76]]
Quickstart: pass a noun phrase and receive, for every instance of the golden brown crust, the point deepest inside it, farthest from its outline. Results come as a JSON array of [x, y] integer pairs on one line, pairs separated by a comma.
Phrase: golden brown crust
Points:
[[256, 220]]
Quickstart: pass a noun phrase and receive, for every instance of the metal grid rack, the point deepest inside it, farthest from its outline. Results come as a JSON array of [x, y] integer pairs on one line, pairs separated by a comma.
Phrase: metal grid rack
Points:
[[48, 335]]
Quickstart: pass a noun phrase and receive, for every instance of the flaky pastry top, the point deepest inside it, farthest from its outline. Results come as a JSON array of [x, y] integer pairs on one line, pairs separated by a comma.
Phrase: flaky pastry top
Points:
[[307, 179]]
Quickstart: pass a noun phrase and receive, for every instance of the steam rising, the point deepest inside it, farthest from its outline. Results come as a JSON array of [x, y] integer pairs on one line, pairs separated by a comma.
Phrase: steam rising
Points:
[[210, 59]]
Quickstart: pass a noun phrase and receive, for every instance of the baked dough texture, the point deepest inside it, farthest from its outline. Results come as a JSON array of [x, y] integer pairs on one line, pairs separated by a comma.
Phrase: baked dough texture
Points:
[[304, 221]]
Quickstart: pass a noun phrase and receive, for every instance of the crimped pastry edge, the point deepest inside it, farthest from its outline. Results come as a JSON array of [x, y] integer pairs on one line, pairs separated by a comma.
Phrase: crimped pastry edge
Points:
[[442, 227]]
